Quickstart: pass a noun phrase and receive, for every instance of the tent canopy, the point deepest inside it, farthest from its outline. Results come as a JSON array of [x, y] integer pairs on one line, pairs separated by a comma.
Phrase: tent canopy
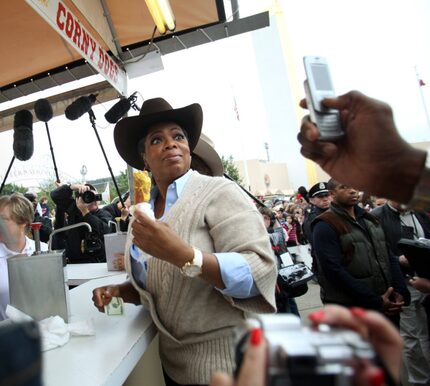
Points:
[[35, 57], [31, 47]]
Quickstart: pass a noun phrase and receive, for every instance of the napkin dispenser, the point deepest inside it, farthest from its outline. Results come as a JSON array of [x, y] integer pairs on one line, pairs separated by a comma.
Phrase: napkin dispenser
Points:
[[38, 283], [114, 245]]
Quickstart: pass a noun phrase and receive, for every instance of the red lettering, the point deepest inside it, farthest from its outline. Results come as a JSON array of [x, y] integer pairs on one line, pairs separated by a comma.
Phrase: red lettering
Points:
[[85, 41], [107, 64], [69, 25], [60, 11], [77, 35], [101, 59], [93, 48], [114, 72], [111, 69]]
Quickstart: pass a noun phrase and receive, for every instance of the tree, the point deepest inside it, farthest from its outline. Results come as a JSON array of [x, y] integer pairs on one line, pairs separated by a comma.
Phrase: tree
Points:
[[122, 182], [45, 189], [231, 170], [12, 188]]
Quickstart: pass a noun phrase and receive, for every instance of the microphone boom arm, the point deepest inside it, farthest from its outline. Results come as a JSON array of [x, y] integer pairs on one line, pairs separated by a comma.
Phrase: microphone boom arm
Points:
[[248, 193], [52, 152], [93, 124], [7, 173]]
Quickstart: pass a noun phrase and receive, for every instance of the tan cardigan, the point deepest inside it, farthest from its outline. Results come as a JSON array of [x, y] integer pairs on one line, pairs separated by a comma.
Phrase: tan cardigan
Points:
[[194, 319]]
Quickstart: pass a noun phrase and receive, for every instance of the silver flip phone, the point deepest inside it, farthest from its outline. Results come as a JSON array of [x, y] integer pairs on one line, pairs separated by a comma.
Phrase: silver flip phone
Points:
[[318, 86]]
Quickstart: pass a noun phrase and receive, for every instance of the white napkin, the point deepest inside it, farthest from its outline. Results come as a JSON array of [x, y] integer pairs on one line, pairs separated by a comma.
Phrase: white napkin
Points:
[[55, 332]]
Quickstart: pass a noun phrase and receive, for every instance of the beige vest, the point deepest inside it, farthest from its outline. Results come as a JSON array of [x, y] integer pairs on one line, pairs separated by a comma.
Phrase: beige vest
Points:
[[194, 319]]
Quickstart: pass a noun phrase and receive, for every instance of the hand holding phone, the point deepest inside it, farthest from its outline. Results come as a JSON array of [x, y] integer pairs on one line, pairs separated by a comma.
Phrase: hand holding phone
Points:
[[318, 86]]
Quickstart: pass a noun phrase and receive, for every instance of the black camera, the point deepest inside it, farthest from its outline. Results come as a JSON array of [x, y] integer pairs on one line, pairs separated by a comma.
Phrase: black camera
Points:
[[303, 356], [88, 197]]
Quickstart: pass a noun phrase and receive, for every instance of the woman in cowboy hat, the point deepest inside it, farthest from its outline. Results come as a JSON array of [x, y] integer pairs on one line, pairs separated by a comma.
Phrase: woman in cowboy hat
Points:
[[210, 259]]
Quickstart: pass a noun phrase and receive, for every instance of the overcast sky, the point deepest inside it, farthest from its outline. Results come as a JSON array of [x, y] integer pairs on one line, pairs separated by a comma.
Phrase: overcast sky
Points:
[[373, 46]]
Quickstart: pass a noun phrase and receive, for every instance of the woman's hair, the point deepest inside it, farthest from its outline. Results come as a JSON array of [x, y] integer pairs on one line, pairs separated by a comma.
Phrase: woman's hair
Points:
[[291, 208], [269, 213], [21, 209]]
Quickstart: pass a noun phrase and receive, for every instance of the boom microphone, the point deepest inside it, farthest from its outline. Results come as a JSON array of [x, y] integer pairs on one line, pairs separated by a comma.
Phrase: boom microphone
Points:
[[44, 113], [119, 109], [23, 145], [43, 110], [79, 107]]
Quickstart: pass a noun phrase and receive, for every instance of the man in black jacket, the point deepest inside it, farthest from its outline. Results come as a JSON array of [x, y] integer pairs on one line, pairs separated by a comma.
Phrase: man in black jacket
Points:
[[116, 210], [399, 223], [82, 246], [320, 199], [355, 266]]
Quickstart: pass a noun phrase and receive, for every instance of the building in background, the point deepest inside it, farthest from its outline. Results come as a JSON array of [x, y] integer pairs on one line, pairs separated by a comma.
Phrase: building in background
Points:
[[265, 178]]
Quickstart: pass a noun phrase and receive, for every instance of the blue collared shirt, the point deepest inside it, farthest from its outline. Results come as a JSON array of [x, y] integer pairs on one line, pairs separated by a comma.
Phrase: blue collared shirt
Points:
[[235, 270]]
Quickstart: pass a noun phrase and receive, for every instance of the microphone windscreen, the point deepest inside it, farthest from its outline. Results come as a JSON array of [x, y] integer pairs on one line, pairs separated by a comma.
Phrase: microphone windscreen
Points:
[[23, 145], [78, 108], [43, 110], [118, 110], [23, 118]]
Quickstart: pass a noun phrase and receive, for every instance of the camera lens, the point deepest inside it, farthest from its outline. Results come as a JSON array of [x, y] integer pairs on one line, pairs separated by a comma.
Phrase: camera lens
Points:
[[88, 197]]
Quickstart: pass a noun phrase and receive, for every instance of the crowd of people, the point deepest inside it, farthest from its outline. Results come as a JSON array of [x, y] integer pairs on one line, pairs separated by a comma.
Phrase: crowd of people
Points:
[[211, 256]]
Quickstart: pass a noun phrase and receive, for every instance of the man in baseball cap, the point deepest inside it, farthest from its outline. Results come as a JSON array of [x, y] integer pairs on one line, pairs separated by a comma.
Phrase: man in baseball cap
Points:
[[319, 190], [320, 199]]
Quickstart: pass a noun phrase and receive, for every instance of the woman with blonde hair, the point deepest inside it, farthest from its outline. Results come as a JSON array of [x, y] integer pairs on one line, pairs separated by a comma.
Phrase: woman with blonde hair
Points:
[[16, 216]]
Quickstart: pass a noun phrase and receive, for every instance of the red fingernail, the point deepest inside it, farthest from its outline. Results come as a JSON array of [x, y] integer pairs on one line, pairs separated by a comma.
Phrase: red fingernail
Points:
[[256, 336], [376, 378], [358, 312], [317, 316]]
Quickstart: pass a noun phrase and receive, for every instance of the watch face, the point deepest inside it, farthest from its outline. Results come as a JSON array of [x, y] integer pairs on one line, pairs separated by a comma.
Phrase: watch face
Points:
[[192, 270]]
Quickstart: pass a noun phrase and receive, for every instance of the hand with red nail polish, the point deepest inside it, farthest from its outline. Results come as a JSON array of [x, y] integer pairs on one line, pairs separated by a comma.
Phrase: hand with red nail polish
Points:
[[253, 369], [358, 312], [256, 336], [375, 328], [371, 325], [317, 316]]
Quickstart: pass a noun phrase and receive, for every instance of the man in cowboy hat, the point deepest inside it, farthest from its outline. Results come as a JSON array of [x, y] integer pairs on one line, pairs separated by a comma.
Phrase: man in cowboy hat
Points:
[[205, 159], [204, 262]]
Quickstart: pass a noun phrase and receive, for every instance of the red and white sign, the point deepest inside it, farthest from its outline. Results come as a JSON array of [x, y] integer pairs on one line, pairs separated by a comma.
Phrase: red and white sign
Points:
[[73, 31]]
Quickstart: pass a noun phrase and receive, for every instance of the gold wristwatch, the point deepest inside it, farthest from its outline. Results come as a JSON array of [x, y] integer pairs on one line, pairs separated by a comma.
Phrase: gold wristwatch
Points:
[[193, 268]]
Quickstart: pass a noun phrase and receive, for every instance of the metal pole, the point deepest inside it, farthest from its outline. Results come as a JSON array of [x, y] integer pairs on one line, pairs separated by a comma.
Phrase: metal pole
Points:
[[52, 152], [266, 146], [235, 9], [246, 191], [7, 173], [420, 85], [93, 124]]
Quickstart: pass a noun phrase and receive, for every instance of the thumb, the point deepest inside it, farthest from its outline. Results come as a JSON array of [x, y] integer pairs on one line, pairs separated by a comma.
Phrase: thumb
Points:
[[389, 292], [221, 379]]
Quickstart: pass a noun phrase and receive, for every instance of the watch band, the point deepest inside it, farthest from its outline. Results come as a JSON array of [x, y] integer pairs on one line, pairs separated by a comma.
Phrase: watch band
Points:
[[197, 262], [198, 257], [420, 201]]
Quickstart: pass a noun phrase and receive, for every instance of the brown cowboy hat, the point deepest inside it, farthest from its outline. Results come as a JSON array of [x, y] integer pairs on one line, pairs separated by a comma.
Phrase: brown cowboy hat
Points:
[[130, 130], [205, 150]]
